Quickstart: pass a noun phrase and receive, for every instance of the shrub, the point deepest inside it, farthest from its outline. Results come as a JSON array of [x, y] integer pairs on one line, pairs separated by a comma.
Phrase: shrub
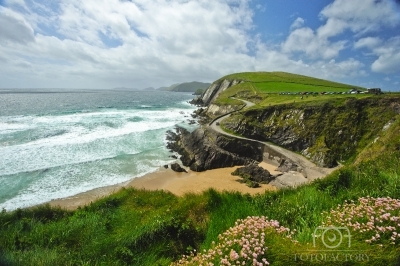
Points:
[[375, 220], [242, 244]]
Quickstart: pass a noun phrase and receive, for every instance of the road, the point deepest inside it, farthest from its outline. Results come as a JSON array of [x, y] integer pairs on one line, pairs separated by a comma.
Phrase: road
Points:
[[310, 170]]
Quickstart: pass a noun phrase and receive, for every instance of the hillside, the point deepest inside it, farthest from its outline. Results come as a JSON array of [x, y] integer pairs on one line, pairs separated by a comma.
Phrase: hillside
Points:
[[360, 201], [264, 86], [283, 81], [187, 86]]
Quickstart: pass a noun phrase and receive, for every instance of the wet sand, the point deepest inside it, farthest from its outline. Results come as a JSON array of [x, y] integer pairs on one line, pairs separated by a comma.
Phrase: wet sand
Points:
[[177, 183]]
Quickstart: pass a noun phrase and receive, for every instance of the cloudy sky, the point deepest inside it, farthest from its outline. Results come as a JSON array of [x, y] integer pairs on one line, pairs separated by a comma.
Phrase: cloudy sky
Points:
[[142, 43]]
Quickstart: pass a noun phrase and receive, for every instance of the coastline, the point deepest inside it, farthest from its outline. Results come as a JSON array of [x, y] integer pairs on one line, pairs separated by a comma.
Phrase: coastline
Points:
[[168, 180]]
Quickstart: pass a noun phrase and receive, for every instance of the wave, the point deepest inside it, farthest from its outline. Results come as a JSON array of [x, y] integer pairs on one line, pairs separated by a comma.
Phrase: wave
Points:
[[44, 157], [68, 180]]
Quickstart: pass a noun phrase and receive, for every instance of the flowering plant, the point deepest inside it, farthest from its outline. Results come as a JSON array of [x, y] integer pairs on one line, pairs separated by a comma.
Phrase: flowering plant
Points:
[[242, 244], [377, 220]]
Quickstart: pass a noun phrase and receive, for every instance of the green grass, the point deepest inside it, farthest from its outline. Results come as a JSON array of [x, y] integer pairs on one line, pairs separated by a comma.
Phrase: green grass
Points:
[[297, 87], [258, 77], [136, 227], [264, 88], [311, 100]]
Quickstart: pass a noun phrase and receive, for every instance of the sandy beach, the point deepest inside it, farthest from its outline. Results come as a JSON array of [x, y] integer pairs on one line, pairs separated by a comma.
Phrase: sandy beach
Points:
[[177, 183]]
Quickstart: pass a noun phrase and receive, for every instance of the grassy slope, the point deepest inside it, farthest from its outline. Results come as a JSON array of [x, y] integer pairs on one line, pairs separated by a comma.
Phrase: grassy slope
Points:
[[136, 227], [263, 87]]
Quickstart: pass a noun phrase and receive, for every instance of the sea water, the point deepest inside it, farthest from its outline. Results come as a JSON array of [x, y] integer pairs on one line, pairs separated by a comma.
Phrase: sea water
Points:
[[57, 143]]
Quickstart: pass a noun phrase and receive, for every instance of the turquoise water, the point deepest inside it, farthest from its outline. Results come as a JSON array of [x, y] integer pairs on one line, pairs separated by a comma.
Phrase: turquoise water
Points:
[[55, 144]]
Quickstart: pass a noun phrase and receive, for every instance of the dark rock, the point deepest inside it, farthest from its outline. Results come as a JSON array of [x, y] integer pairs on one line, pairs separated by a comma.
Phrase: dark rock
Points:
[[177, 168], [254, 173], [197, 101], [287, 165], [205, 149], [166, 166], [174, 156]]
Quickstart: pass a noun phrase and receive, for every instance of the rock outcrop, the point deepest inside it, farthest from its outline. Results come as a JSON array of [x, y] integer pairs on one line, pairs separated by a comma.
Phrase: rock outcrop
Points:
[[204, 149], [214, 110], [254, 173], [287, 166], [177, 168], [215, 89], [324, 133]]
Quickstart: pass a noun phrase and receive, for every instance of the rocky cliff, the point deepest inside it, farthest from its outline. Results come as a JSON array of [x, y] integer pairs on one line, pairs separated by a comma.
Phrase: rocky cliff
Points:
[[325, 133], [205, 149], [215, 89]]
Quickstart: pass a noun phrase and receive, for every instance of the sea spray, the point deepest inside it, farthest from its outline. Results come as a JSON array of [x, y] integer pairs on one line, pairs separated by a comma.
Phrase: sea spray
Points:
[[80, 141]]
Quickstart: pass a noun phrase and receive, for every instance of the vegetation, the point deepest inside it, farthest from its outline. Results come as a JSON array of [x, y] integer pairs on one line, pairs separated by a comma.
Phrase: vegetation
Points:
[[266, 88], [137, 227], [331, 130], [282, 81]]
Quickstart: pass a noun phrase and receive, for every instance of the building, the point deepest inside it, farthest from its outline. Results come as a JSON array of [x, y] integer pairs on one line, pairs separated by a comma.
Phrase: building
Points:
[[374, 90]]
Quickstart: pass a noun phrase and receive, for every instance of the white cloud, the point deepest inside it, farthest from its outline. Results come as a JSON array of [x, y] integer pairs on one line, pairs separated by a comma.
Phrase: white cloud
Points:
[[387, 53], [140, 43], [368, 42], [14, 28], [298, 23], [359, 16], [305, 40], [388, 57], [270, 60], [157, 41]]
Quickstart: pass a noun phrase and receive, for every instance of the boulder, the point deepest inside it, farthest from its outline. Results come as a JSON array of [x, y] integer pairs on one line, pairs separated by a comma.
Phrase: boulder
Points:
[[287, 165], [254, 173], [177, 168]]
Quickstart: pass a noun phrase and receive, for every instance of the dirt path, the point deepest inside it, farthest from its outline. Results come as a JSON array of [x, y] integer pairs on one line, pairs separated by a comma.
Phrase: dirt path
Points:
[[310, 170]]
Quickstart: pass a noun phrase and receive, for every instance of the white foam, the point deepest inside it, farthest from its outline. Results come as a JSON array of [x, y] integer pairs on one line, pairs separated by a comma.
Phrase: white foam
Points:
[[58, 186], [85, 138]]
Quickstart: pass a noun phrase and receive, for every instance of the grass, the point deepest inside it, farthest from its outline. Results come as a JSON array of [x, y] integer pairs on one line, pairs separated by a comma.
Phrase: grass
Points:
[[264, 88], [138, 227], [265, 77]]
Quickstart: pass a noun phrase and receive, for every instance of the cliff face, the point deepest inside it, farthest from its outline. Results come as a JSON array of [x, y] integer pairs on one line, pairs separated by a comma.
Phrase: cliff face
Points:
[[214, 110], [205, 149], [215, 89], [326, 133]]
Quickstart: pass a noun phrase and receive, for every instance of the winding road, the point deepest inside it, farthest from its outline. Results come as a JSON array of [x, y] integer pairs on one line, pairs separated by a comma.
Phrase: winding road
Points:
[[310, 171]]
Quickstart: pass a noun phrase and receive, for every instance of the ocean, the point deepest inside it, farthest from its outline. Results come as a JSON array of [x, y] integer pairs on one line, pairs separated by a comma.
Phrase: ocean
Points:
[[58, 143]]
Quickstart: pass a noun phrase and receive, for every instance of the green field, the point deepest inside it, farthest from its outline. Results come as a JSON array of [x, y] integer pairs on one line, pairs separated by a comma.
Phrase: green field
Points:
[[288, 82], [138, 227], [267, 88]]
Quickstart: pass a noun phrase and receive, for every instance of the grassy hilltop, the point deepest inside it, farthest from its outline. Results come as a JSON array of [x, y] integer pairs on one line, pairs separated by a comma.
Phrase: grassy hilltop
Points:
[[270, 88], [137, 227]]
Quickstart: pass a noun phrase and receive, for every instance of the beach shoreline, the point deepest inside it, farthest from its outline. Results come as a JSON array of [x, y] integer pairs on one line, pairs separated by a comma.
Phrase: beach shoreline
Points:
[[177, 183]]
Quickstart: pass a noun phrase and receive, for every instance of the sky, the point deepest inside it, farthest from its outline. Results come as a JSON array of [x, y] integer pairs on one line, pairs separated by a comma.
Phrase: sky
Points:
[[153, 43]]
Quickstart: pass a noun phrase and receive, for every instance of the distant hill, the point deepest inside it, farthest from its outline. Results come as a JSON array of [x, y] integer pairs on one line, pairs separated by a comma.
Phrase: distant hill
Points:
[[125, 89], [186, 86]]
